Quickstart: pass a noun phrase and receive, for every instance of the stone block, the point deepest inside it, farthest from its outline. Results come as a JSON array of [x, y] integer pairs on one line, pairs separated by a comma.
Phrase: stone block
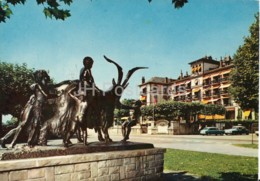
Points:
[[80, 175], [36, 173], [129, 161], [18, 175], [64, 169], [94, 169], [158, 157], [82, 166], [149, 171], [152, 164], [115, 177], [16, 165], [102, 164], [159, 169], [150, 158], [131, 167], [117, 162], [37, 179], [63, 177], [122, 173], [4, 176], [104, 178], [103, 172], [113, 170], [132, 174], [49, 174]]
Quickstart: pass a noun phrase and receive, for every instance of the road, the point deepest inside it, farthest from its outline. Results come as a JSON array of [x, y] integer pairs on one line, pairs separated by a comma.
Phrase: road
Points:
[[211, 144]]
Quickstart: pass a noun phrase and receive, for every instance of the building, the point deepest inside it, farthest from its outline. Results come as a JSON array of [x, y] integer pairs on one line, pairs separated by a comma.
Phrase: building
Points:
[[155, 90], [207, 83]]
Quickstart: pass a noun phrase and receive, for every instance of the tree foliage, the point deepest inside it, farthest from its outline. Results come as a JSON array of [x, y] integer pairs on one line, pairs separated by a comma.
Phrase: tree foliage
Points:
[[53, 8], [118, 113], [15, 81], [245, 75], [169, 110]]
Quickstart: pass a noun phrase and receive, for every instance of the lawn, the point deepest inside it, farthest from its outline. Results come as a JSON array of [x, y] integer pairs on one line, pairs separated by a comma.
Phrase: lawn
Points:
[[211, 166], [254, 146]]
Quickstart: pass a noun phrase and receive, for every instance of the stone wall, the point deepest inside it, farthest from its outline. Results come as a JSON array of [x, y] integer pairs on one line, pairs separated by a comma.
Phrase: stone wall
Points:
[[143, 164]]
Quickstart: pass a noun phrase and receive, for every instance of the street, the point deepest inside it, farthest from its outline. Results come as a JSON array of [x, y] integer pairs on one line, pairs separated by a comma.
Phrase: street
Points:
[[212, 144]]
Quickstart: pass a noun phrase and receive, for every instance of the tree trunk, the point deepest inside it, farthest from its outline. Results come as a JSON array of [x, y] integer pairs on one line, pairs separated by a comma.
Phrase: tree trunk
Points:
[[1, 125]]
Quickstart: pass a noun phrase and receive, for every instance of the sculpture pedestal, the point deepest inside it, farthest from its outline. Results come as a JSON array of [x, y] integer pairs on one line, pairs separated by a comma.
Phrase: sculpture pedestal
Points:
[[128, 161]]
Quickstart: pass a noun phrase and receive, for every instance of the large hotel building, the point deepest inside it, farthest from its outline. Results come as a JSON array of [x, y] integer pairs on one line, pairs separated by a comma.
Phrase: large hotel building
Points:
[[207, 83]]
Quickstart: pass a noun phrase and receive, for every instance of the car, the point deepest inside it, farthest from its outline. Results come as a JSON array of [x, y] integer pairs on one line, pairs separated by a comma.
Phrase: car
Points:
[[211, 130], [235, 130]]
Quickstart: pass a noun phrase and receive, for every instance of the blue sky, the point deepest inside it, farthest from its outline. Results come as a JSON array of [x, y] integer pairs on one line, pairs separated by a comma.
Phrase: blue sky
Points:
[[131, 32]]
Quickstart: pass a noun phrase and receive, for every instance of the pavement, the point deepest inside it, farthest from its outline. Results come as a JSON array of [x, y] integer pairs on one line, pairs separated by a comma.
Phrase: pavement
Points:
[[212, 144]]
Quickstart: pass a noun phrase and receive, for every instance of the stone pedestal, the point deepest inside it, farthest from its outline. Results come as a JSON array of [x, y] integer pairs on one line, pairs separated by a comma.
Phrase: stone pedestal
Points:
[[130, 162]]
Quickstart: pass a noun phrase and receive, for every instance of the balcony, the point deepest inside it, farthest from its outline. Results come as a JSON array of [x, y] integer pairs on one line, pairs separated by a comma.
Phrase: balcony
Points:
[[143, 93], [188, 99], [216, 81], [216, 95], [225, 79], [206, 96], [195, 97], [224, 92], [206, 84], [187, 88]]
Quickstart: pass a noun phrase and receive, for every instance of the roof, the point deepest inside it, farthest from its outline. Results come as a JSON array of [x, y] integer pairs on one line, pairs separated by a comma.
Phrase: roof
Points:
[[159, 80], [206, 60]]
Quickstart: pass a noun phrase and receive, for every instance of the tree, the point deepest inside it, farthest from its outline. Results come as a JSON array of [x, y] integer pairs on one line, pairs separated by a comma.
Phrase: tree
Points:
[[15, 81], [245, 75], [118, 113], [53, 7], [169, 110]]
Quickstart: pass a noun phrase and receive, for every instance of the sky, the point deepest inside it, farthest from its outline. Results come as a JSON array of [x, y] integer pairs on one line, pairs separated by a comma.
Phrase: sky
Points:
[[131, 32]]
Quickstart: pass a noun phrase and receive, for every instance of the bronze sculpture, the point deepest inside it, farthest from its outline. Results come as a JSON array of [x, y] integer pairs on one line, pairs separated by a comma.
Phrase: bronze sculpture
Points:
[[99, 114], [132, 121], [31, 118], [74, 110]]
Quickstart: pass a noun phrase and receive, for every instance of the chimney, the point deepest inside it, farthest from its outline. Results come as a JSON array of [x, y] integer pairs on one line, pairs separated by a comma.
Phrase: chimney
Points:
[[181, 74], [187, 74], [143, 80], [221, 62], [166, 79]]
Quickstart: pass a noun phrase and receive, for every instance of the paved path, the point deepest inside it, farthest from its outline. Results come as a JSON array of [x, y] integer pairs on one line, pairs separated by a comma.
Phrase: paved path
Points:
[[211, 144]]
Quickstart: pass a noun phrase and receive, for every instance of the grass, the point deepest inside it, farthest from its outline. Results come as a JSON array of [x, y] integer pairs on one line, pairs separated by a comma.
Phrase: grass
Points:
[[254, 146], [211, 166]]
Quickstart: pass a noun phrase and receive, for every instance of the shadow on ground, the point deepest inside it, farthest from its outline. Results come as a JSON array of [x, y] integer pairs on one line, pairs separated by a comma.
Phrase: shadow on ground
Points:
[[184, 176]]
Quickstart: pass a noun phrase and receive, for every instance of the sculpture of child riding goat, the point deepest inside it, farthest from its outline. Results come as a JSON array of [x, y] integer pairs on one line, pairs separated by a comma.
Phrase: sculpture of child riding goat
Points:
[[71, 106]]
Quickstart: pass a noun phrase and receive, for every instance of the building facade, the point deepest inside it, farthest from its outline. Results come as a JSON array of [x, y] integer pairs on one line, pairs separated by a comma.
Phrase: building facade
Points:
[[207, 83]]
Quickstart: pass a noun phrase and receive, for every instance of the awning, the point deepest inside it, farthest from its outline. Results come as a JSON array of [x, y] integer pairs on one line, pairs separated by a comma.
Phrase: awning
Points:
[[217, 116], [142, 98], [195, 90], [213, 100], [247, 113], [208, 117], [201, 116], [226, 72], [225, 86], [204, 101], [206, 77]]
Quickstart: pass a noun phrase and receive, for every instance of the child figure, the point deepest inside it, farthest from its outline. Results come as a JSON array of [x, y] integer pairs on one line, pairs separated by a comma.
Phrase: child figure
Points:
[[32, 112], [132, 121], [85, 72], [41, 94]]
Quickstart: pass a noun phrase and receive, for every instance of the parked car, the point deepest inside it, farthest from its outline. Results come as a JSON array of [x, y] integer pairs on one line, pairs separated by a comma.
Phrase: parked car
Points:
[[237, 130], [211, 130]]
